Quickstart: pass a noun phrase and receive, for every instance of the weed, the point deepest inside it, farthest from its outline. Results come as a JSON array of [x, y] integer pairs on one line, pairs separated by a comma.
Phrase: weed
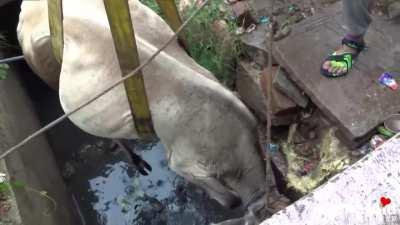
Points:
[[217, 53], [6, 187], [214, 52]]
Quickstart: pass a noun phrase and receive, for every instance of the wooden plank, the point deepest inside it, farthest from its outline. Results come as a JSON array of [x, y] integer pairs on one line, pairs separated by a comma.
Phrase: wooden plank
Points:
[[56, 27], [353, 196], [125, 45], [357, 102]]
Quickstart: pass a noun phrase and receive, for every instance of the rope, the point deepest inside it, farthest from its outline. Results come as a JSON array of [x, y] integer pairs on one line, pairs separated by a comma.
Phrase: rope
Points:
[[270, 179], [11, 59], [66, 115]]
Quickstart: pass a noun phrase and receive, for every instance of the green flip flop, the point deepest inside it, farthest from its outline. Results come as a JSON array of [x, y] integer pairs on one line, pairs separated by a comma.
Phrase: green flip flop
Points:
[[343, 60]]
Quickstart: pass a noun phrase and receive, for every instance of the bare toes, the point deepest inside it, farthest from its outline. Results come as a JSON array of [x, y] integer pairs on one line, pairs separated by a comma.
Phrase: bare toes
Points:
[[326, 65]]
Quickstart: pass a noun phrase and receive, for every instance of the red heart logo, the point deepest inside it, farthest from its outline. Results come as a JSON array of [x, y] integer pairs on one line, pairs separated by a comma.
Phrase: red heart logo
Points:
[[385, 201]]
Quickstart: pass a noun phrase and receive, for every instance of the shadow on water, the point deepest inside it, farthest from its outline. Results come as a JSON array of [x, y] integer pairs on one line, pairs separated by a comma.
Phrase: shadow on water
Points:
[[107, 189]]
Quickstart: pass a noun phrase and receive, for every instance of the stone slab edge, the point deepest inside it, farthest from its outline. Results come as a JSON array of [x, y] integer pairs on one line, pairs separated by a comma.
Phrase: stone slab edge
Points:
[[353, 196]]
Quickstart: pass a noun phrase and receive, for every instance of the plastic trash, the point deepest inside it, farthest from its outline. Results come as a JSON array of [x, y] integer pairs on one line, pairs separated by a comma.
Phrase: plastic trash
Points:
[[388, 80], [273, 147], [264, 20], [251, 28], [376, 141], [385, 132]]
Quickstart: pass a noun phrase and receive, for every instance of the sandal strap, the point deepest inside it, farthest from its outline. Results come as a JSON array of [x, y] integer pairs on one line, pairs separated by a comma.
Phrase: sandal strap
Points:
[[345, 57], [357, 45]]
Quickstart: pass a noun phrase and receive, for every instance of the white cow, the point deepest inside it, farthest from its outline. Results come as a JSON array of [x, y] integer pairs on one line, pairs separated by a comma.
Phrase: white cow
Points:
[[208, 133]]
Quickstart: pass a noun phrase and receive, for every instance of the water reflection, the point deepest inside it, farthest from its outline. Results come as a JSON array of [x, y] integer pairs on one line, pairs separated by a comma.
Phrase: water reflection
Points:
[[117, 194]]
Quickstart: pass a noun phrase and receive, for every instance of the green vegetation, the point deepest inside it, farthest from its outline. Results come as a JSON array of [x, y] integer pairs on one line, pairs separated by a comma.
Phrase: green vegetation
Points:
[[152, 4], [6, 188], [4, 71], [213, 50]]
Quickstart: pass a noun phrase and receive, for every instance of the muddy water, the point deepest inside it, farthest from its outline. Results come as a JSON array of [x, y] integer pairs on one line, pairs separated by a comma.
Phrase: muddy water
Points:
[[108, 190]]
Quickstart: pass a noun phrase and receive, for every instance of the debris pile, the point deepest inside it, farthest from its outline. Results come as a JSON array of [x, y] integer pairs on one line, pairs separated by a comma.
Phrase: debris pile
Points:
[[306, 153], [310, 166]]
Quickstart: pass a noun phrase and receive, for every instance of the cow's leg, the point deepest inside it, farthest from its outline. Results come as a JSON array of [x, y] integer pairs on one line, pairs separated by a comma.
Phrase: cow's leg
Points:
[[137, 161]]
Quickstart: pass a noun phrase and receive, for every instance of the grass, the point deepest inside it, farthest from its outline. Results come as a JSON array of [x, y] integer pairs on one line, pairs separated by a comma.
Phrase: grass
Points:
[[152, 4], [218, 55]]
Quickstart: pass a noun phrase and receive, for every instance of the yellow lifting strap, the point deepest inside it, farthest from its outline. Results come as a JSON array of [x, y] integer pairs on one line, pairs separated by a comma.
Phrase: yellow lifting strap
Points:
[[170, 11], [123, 34], [171, 14], [55, 13]]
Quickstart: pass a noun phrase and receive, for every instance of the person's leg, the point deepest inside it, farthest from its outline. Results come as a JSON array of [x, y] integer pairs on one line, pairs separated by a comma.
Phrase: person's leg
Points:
[[357, 19]]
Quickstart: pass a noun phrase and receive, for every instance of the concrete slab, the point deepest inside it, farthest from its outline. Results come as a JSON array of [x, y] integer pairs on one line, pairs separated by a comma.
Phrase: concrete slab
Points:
[[280, 103], [249, 89], [251, 85], [353, 196], [288, 88], [357, 103]]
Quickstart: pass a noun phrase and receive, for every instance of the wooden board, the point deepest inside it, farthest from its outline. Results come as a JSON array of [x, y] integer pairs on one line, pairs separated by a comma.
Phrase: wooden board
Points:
[[357, 102], [353, 196]]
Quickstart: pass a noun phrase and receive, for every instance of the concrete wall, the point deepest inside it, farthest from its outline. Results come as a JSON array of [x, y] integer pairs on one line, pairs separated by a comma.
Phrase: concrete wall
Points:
[[33, 164]]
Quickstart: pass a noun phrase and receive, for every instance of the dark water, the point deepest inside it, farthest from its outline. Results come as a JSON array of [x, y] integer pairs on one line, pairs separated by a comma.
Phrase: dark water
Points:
[[111, 192], [106, 187]]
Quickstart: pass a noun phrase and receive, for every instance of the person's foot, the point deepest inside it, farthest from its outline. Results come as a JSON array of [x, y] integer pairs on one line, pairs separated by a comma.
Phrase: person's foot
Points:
[[329, 66]]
